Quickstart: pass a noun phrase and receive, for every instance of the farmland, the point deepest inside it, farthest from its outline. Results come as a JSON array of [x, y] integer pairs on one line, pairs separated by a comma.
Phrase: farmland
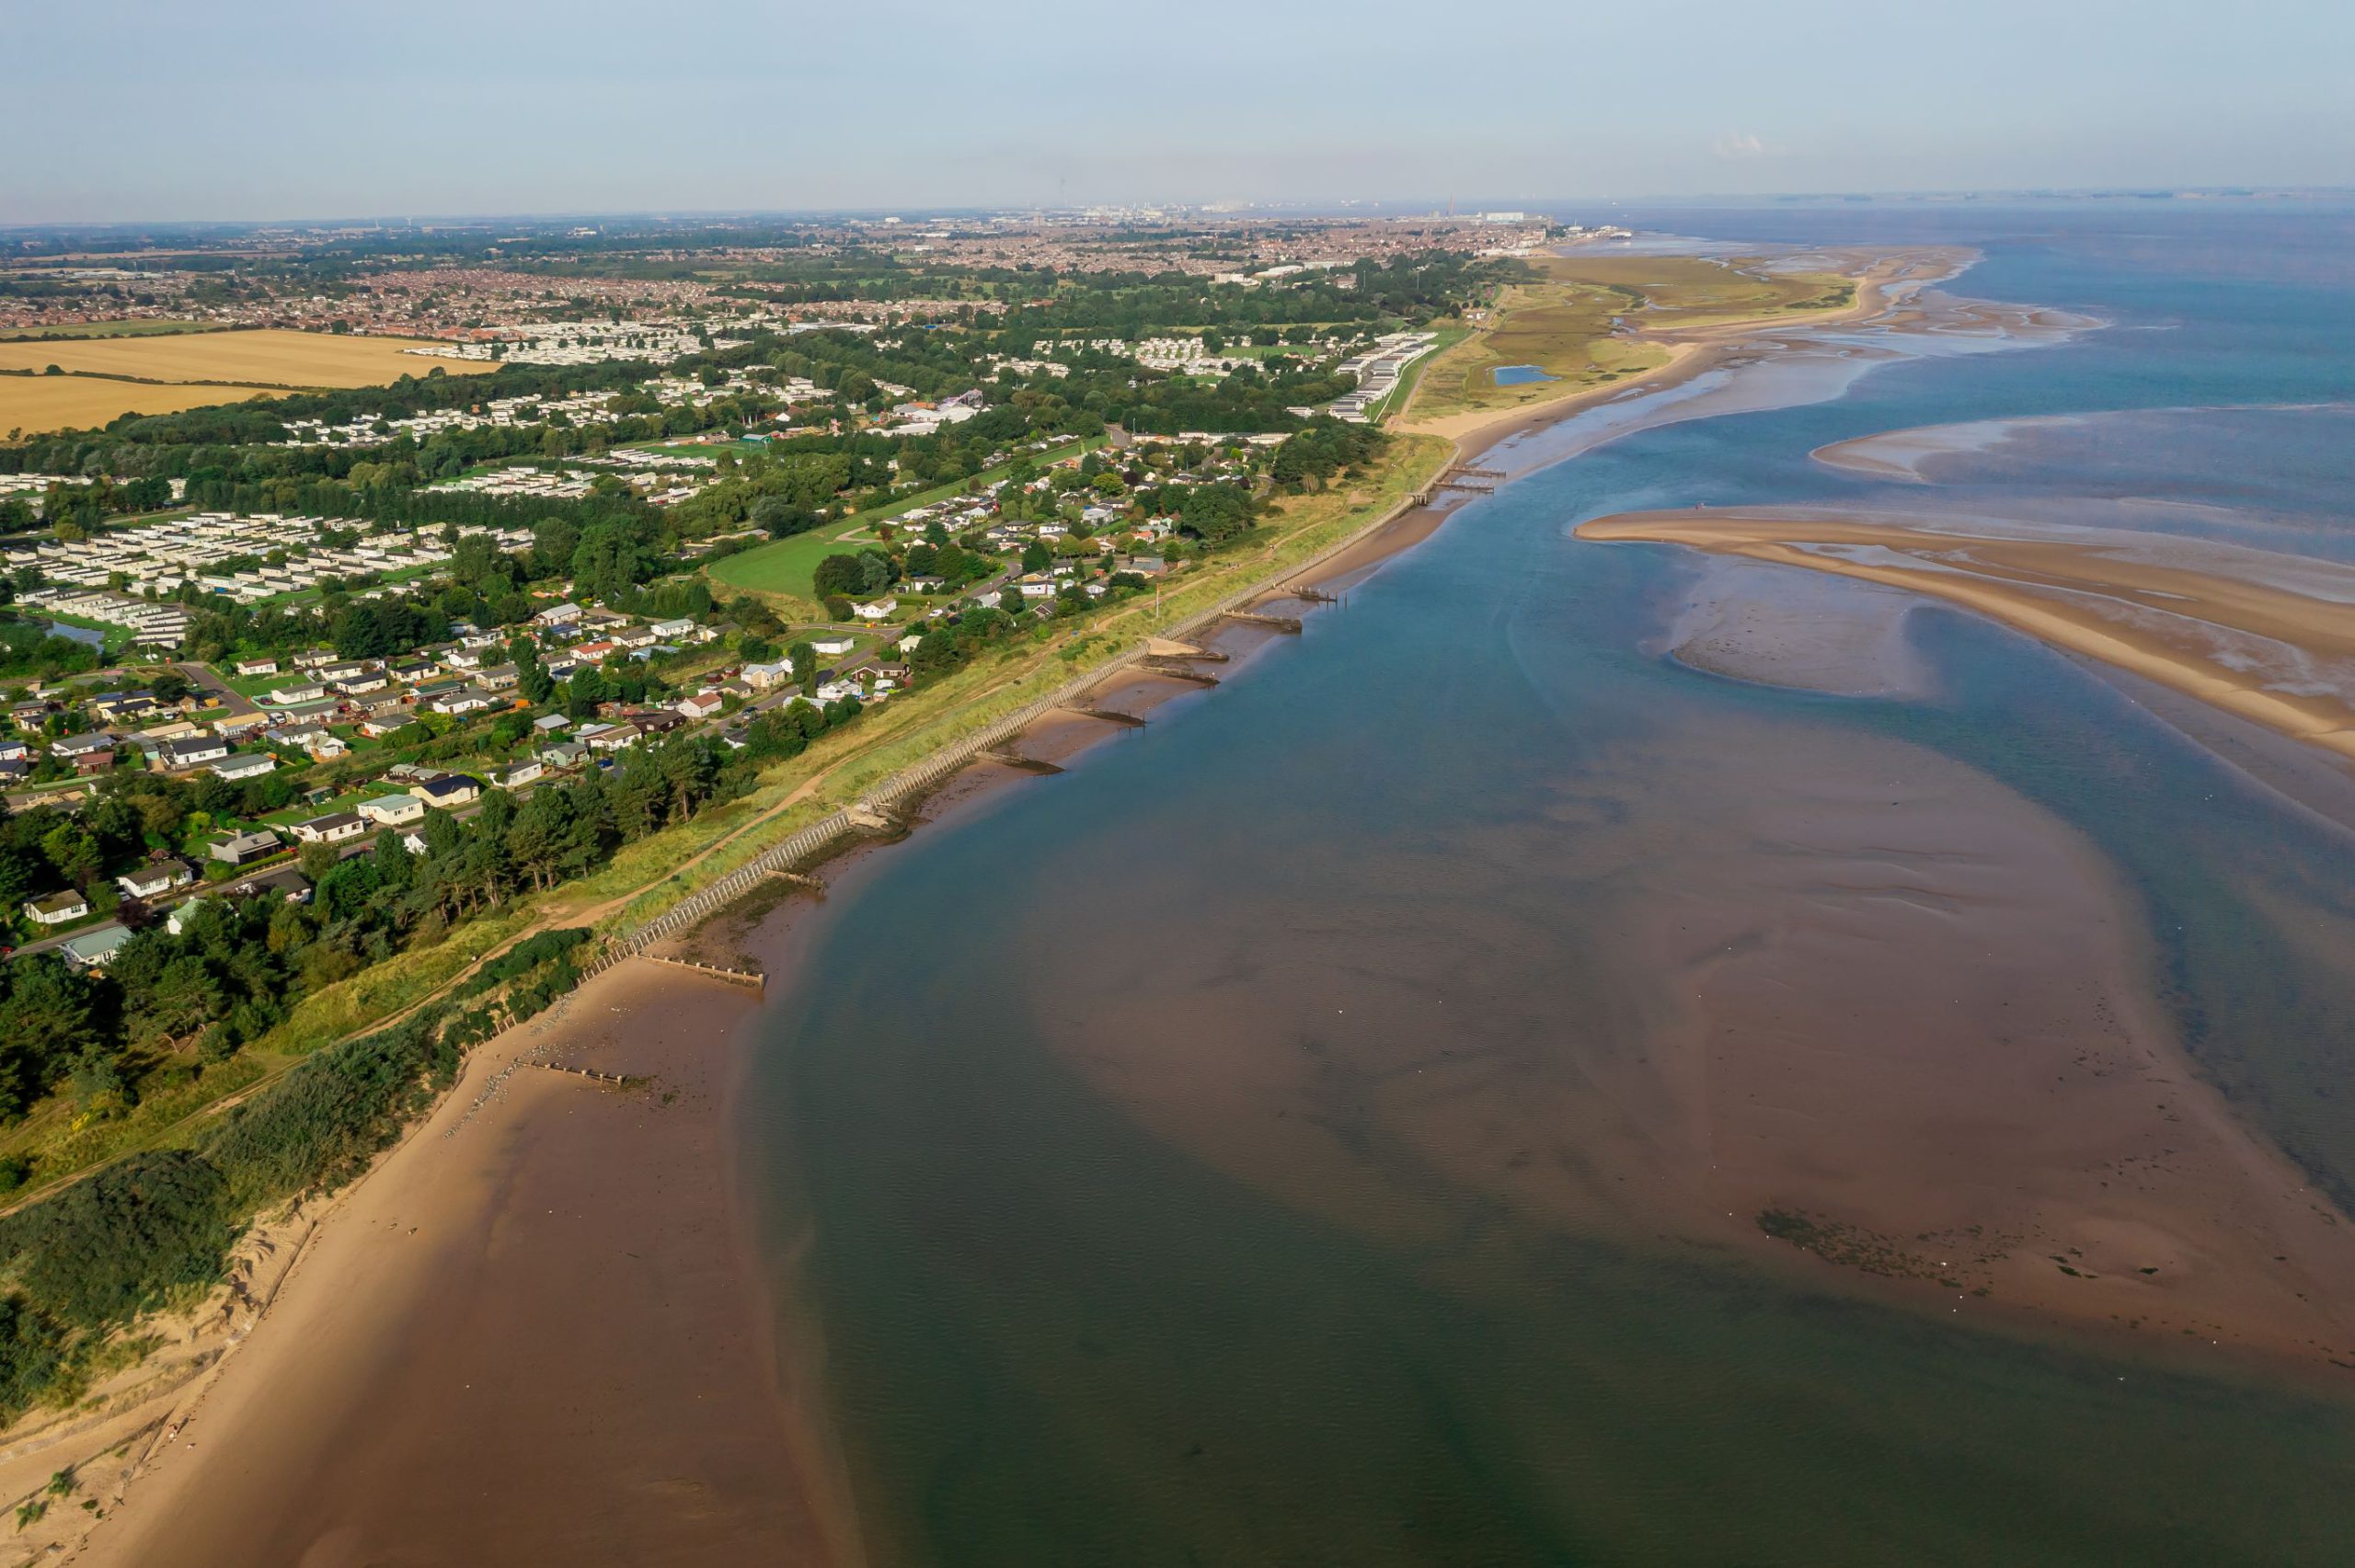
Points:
[[35, 404], [144, 327], [266, 357]]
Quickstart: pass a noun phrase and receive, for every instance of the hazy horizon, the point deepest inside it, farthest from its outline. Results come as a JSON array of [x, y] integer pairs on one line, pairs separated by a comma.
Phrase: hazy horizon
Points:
[[134, 111]]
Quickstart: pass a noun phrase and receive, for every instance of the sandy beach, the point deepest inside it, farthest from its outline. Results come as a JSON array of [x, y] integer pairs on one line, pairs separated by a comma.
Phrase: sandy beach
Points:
[[2210, 622], [529, 1335]]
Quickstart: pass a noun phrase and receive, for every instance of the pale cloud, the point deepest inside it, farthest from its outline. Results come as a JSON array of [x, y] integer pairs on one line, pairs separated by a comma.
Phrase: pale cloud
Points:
[[1735, 149]]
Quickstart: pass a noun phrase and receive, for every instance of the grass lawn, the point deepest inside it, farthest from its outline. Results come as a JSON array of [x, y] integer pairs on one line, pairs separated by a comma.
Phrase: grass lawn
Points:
[[302, 811], [787, 566]]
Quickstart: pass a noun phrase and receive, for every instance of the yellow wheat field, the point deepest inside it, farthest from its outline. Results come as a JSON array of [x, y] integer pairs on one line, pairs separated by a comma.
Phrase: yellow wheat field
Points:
[[40, 403], [264, 357]]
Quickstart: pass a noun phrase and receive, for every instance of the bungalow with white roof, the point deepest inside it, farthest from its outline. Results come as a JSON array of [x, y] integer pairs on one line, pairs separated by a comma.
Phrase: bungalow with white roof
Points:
[[392, 810]]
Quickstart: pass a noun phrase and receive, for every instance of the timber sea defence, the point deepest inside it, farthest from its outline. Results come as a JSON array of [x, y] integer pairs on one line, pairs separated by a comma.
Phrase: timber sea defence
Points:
[[813, 843]]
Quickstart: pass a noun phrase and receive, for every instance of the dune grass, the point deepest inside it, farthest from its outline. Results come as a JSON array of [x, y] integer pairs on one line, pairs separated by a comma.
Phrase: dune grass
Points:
[[1581, 320]]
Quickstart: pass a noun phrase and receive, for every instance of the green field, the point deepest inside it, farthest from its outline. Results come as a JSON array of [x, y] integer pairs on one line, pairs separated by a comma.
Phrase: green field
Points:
[[787, 566], [1404, 393]]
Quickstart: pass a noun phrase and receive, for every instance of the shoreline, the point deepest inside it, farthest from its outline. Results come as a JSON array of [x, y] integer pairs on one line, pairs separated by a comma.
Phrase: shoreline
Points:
[[446, 1288], [1693, 351], [826, 1519], [2068, 594], [143, 1485]]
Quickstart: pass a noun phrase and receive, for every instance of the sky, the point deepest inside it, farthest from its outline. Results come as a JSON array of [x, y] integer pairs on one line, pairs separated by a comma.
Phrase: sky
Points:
[[156, 110]]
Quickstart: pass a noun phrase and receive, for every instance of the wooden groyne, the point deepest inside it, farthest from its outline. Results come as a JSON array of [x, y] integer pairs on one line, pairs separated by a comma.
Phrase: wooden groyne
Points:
[[752, 978], [1459, 476], [611, 1080], [1107, 715], [1286, 623], [1178, 670], [813, 843], [1016, 760], [1169, 648]]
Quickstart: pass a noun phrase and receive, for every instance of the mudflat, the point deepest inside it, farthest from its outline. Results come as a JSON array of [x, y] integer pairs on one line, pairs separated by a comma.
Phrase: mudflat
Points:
[[1867, 1011]]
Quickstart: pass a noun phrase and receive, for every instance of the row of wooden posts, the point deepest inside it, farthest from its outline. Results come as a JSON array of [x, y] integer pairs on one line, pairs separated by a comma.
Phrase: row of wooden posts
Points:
[[811, 842]]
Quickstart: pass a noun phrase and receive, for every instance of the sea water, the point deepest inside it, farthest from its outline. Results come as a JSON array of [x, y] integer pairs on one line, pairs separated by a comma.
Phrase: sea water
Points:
[[1078, 1305]]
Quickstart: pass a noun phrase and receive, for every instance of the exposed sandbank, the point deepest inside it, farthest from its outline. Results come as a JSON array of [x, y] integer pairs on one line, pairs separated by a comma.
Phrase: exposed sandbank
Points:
[[2212, 622], [1858, 985]]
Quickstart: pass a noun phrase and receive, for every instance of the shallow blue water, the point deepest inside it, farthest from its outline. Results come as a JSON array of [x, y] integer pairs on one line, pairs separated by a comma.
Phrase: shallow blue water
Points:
[[1521, 375], [1082, 1303]]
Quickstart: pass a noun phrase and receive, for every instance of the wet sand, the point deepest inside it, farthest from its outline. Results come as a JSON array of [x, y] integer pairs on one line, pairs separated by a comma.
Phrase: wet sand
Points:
[[1777, 627], [2213, 622], [529, 1335], [1907, 455], [1866, 1014]]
